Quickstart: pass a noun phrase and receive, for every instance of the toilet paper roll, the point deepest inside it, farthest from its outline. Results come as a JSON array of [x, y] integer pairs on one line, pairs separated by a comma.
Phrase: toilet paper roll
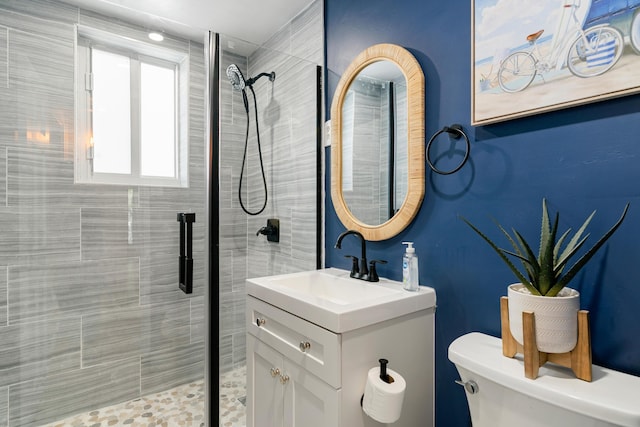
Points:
[[383, 401]]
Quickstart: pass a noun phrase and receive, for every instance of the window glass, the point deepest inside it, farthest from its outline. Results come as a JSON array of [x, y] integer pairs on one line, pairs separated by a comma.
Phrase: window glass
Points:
[[129, 105], [157, 121], [111, 113]]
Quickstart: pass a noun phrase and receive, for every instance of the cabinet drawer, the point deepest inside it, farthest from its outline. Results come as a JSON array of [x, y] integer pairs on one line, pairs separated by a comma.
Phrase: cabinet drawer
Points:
[[310, 346]]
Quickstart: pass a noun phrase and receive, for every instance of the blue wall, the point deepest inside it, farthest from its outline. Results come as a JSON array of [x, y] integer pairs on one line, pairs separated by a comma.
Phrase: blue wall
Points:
[[580, 159]]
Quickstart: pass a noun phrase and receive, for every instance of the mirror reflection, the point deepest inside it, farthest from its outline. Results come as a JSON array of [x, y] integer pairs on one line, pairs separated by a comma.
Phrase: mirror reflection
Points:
[[374, 143], [377, 142]]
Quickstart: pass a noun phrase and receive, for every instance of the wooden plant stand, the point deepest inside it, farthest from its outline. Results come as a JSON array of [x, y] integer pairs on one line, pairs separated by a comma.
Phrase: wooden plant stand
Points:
[[578, 359]]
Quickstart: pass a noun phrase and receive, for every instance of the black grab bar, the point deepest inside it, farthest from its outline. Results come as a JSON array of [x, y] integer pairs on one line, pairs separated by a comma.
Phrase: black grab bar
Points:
[[185, 260]]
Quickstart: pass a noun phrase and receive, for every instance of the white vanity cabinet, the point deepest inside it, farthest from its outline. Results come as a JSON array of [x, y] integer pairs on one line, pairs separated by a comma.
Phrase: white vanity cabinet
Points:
[[300, 373], [284, 394], [282, 349]]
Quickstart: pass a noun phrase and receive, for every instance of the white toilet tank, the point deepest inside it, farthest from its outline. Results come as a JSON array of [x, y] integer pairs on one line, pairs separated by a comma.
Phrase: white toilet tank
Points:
[[505, 397]]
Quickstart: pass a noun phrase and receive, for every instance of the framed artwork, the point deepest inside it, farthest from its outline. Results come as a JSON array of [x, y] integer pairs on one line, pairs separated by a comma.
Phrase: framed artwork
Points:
[[533, 56]]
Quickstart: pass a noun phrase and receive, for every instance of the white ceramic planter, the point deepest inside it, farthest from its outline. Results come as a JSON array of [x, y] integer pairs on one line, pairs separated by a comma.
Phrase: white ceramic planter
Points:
[[556, 318]]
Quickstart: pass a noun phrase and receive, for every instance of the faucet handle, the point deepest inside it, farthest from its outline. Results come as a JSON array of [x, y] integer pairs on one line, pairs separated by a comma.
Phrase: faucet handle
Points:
[[373, 274], [355, 270]]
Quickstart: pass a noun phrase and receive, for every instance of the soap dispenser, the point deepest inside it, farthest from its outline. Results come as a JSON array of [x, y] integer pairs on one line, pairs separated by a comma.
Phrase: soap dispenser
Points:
[[410, 268]]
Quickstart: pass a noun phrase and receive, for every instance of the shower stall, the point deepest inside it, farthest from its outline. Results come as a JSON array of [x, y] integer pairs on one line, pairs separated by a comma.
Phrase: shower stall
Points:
[[93, 322]]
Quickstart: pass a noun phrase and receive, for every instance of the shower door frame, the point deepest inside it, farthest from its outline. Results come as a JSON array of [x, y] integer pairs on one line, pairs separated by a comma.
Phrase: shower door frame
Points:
[[212, 271]]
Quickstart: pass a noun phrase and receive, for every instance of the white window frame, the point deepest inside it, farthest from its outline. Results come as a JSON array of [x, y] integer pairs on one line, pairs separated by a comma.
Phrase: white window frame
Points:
[[138, 52]]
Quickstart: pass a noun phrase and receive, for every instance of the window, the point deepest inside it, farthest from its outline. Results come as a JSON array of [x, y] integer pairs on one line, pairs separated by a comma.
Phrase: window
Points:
[[128, 109]]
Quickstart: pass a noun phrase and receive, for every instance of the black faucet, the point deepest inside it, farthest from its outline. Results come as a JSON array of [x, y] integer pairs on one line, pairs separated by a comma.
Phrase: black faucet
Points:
[[363, 271]]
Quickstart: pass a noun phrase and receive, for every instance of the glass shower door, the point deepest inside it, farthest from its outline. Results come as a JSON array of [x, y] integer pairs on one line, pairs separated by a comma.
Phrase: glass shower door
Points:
[[288, 115]]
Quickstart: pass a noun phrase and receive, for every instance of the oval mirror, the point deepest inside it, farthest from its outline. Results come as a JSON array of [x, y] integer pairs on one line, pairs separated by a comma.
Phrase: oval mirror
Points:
[[377, 142]]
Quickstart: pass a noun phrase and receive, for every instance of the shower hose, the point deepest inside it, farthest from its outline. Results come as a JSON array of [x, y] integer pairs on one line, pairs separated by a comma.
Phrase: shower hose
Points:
[[244, 157]]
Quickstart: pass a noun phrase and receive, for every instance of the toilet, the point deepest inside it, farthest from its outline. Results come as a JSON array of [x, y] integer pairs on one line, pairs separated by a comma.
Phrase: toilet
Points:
[[499, 395]]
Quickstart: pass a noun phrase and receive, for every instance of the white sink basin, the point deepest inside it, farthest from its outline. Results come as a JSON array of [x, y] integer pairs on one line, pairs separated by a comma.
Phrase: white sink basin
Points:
[[333, 300]]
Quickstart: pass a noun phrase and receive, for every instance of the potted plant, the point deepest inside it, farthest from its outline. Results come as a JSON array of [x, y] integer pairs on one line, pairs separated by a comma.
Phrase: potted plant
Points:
[[543, 282]]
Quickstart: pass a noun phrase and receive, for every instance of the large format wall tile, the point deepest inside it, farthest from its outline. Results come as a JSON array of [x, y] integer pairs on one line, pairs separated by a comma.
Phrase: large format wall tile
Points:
[[232, 313], [305, 30], [41, 91], [34, 403], [151, 235], [3, 296], [117, 232], [38, 15], [34, 237], [303, 232], [172, 367], [3, 172], [120, 334], [4, 61], [114, 233], [45, 178], [36, 350], [197, 319], [159, 274], [239, 348], [26, 16], [91, 287], [4, 409], [225, 350]]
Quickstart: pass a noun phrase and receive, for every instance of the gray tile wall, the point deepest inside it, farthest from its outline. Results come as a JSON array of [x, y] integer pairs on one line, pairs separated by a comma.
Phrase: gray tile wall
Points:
[[368, 199], [287, 119], [88, 317], [368, 163]]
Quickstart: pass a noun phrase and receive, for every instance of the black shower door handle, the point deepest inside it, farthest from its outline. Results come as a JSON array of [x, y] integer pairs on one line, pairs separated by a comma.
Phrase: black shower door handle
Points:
[[185, 259]]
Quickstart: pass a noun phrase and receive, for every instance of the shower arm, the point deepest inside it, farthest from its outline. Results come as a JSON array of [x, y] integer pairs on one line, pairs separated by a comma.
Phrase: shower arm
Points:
[[252, 80]]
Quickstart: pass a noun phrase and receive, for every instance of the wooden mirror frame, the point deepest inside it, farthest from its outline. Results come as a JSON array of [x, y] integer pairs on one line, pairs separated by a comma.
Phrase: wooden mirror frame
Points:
[[416, 156]]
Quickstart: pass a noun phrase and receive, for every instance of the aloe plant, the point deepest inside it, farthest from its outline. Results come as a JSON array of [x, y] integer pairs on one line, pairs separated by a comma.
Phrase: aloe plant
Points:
[[545, 274]]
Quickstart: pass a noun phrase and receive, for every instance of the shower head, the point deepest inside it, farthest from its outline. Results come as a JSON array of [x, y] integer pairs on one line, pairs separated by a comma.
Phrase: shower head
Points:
[[235, 77]]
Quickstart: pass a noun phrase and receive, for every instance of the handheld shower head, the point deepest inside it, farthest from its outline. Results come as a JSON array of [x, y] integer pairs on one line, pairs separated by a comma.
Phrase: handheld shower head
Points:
[[235, 77]]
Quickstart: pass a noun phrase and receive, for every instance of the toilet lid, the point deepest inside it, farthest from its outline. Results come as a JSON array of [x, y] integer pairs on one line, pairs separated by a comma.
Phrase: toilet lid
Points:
[[612, 396]]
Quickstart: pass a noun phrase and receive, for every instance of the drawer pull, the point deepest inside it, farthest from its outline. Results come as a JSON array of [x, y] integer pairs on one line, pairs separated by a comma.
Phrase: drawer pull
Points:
[[284, 379], [275, 372], [304, 346], [260, 321]]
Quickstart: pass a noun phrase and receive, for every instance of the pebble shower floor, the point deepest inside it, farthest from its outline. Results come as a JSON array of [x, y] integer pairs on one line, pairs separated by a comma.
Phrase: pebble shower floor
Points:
[[180, 406]]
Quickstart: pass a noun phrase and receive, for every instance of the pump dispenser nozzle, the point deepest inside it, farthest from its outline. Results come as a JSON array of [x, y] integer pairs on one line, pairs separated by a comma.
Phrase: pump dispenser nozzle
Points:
[[410, 248]]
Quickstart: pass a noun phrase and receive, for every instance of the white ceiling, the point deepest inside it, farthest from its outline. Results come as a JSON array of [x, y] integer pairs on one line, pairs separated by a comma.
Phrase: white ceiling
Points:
[[250, 20]]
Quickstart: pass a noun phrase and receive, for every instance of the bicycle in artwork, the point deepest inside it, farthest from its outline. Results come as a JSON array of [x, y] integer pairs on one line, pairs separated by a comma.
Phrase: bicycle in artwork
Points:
[[585, 52]]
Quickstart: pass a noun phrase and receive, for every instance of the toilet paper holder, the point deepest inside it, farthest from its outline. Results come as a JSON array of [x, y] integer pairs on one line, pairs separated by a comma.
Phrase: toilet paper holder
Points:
[[384, 376], [383, 394], [383, 371]]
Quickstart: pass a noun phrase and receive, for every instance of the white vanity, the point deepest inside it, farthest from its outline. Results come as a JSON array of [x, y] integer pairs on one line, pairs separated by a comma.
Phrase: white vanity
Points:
[[312, 338]]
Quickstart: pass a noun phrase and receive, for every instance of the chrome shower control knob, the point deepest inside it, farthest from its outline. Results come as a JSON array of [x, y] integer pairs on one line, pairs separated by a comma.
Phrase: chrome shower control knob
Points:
[[470, 386], [284, 379], [275, 372], [305, 346], [260, 321]]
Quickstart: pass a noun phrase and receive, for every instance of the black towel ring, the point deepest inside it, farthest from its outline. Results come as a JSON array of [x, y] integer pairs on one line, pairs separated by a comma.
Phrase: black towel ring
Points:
[[455, 131]]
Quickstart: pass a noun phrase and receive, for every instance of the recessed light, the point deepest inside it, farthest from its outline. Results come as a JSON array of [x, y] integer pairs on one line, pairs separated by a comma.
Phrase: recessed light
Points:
[[157, 37]]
